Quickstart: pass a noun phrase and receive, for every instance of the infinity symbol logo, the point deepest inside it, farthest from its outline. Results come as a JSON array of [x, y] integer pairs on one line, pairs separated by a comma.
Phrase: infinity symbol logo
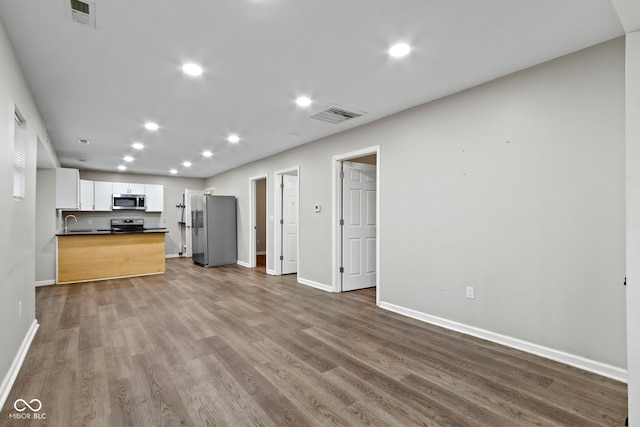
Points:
[[26, 405]]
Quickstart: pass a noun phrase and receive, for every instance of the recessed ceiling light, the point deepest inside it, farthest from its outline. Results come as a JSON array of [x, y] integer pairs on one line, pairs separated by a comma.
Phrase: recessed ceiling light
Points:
[[207, 153], [186, 164], [138, 145], [173, 171], [127, 159], [303, 101], [233, 138], [192, 69], [399, 50], [122, 167], [151, 126]]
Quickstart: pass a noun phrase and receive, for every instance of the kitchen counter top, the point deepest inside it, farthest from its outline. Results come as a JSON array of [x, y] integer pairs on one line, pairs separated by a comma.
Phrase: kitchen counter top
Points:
[[102, 232]]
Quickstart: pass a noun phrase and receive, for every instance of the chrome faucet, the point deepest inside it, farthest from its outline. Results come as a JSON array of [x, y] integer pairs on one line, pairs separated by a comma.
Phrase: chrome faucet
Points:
[[66, 220]]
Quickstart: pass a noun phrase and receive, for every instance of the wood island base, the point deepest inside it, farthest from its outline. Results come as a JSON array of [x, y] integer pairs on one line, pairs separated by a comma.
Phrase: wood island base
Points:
[[109, 256]]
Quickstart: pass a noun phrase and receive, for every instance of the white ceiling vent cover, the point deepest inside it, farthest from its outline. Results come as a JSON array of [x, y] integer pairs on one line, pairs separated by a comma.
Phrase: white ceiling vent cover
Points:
[[82, 12], [335, 114]]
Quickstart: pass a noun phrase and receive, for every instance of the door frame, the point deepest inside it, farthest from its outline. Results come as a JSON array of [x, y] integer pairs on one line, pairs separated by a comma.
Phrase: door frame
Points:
[[336, 167], [277, 213], [252, 218]]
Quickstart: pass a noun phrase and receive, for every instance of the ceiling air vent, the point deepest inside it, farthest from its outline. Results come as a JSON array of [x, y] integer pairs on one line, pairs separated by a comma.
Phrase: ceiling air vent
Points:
[[335, 114], [83, 13]]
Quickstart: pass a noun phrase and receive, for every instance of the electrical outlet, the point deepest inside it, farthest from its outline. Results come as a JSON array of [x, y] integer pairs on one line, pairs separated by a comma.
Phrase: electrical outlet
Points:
[[89, 221], [19, 308], [470, 293]]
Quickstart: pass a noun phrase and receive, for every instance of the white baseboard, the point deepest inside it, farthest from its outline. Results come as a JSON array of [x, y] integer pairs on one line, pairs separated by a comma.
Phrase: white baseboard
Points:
[[599, 368], [316, 285], [271, 272], [244, 264], [11, 376], [45, 283], [173, 256]]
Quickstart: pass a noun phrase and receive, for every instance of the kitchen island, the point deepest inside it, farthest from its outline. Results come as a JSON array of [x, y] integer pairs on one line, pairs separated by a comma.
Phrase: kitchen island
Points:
[[89, 255]]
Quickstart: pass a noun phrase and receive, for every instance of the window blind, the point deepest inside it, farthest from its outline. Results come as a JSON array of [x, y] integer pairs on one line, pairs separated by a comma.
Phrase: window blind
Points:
[[19, 159]]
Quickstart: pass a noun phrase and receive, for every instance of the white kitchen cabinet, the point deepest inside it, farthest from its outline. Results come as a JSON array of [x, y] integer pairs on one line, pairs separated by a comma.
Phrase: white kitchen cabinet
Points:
[[102, 195], [136, 188], [127, 188], [86, 195], [154, 199], [120, 188], [67, 188]]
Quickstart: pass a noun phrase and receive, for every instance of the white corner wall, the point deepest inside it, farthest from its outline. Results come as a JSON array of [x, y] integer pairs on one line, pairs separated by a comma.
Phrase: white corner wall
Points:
[[515, 187], [633, 222], [17, 220]]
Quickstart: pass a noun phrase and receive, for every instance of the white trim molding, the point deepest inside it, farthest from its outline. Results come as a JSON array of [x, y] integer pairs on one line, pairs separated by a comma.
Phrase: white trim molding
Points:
[[167, 256], [45, 283], [316, 285], [599, 368], [244, 264], [11, 376]]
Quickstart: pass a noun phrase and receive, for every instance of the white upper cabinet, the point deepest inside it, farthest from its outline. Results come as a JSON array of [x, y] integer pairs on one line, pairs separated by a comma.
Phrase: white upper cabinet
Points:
[[120, 188], [102, 195], [73, 193], [86, 195], [126, 188], [154, 199], [67, 188], [136, 189]]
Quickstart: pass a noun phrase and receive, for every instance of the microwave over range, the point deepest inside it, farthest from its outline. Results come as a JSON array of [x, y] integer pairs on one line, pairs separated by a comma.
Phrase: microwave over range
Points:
[[128, 201]]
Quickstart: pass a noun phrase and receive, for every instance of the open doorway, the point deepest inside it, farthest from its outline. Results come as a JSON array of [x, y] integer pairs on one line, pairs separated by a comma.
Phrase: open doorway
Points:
[[355, 220], [286, 211], [258, 244], [187, 222]]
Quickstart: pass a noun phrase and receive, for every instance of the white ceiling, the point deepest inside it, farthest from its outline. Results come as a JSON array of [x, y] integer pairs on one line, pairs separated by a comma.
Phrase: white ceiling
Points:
[[103, 83]]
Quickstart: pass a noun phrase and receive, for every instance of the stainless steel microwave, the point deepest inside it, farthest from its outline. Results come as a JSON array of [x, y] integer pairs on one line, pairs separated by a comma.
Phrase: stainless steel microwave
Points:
[[128, 201]]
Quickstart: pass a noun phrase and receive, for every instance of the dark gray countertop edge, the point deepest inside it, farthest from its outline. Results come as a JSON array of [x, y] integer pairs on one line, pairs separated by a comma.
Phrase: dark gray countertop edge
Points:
[[98, 232]]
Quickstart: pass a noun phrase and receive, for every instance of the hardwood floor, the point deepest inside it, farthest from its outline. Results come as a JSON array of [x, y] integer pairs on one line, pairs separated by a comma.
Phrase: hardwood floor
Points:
[[261, 263], [233, 346]]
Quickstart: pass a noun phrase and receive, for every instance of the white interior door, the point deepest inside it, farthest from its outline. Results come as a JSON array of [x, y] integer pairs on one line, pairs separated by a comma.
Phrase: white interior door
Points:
[[359, 230], [289, 224], [188, 249]]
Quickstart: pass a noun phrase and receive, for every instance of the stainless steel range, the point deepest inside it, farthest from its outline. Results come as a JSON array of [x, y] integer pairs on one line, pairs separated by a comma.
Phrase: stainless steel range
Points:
[[127, 225]]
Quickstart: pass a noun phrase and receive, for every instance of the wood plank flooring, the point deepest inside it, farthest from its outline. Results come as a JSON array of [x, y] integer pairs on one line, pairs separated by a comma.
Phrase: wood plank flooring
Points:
[[230, 346]]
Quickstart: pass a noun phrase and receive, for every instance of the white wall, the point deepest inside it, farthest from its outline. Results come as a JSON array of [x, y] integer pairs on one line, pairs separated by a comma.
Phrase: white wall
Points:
[[46, 229], [515, 187], [17, 218], [633, 222]]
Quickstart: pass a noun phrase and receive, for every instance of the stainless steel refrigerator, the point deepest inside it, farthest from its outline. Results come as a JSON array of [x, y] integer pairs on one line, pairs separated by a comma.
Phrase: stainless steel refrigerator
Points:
[[213, 221]]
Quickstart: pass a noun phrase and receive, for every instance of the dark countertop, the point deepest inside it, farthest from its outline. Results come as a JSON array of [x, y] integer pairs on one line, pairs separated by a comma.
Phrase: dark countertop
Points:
[[104, 232]]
